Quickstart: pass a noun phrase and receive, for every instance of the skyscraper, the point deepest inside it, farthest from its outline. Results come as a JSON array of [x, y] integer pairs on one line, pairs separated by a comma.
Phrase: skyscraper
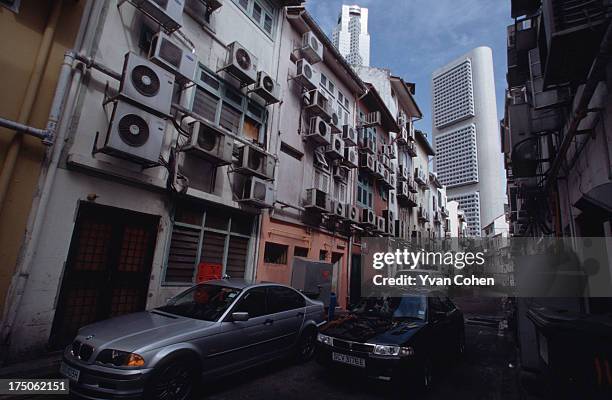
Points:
[[351, 35], [466, 139]]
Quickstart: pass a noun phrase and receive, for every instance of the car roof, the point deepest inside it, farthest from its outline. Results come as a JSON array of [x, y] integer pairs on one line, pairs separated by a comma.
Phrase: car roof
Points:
[[240, 283]]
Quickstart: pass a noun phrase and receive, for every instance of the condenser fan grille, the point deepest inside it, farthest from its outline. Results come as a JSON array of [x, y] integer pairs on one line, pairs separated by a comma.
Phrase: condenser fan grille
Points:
[[243, 59], [145, 80], [259, 191], [307, 71], [335, 118], [268, 83], [171, 53], [255, 161], [337, 145], [133, 130], [322, 128], [207, 139], [314, 43]]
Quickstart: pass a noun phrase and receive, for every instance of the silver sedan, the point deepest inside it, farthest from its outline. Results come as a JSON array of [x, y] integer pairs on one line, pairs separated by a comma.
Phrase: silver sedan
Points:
[[209, 330]]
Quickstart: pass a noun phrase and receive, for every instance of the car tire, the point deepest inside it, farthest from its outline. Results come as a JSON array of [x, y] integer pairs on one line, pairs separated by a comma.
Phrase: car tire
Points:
[[306, 345], [173, 379]]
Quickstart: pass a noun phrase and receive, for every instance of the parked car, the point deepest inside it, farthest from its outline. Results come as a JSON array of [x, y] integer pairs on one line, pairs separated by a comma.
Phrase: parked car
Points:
[[209, 330], [394, 338]]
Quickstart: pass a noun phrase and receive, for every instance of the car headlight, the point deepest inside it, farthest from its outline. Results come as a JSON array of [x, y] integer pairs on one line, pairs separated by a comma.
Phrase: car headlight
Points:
[[325, 339], [120, 358], [385, 350]]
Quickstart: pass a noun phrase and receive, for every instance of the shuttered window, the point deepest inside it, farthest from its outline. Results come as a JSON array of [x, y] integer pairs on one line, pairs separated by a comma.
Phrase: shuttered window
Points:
[[205, 104], [209, 241], [230, 118]]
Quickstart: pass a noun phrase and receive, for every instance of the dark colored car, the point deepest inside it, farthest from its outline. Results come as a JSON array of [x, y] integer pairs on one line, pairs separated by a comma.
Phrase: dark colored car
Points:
[[212, 329], [394, 338]]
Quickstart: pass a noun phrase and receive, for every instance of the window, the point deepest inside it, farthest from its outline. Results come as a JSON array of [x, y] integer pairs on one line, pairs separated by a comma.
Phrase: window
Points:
[[321, 181], [253, 302], [275, 253], [283, 299], [365, 191], [204, 236], [322, 255], [221, 104], [300, 251], [262, 12], [340, 192]]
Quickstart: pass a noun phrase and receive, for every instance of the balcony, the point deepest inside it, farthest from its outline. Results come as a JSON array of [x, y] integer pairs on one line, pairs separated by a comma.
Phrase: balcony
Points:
[[570, 35]]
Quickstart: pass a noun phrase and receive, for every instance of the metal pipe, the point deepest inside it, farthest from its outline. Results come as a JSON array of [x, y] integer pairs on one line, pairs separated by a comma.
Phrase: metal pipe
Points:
[[28, 102], [21, 128], [91, 63], [593, 78]]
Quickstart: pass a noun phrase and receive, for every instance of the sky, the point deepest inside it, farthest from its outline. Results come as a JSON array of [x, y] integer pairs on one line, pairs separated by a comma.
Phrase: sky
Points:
[[415, 37]]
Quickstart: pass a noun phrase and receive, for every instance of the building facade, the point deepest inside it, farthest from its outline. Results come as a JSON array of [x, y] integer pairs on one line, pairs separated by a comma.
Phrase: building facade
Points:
[[468, 161], [351, 37]]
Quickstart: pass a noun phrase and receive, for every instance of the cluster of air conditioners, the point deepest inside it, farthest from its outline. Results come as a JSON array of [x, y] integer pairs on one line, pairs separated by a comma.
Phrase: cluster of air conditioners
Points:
[[420, 177], [311, 50], [411, 149], [343, 212], [404, 196], [319, 202], [258, 168]]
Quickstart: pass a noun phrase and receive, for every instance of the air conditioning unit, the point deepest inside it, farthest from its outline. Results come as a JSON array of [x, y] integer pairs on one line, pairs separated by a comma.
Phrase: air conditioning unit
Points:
[[335, 150], [317, 103], [241, 63], [379, 170], [419, 176], [368, 218], [380, 224], [349, 135], [386, 177], [403, 173], [390, 227], [146, 84], [352, 213], [351, 157], [252, 161], [168, 13], [319, 131], [411, 149], [316, 200], [384, 160], [367, 163], [400, 229], [402, 118], [312, 48], [257, 193], [306, 75], [267, 88], [367, 145], [134, 134], [402, 136], [210, 142], [402, 190], [335, 122], [173, 57], [372, 119], [392, 180], [338, 209], [391, 152], [341, 173]]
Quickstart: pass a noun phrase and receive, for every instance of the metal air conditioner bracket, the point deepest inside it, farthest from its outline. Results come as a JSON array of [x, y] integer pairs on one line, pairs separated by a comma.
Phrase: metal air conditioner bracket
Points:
[[151, 17]]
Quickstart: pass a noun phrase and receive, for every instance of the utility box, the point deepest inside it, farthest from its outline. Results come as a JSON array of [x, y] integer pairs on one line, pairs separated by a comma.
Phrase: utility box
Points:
[[313, 278]]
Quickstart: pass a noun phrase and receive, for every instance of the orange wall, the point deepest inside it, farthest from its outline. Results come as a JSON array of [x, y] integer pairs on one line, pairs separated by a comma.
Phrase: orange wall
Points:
[[293, 235]]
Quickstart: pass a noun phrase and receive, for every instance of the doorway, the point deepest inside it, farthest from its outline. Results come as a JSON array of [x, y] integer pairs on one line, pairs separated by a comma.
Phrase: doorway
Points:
[[108, 268]]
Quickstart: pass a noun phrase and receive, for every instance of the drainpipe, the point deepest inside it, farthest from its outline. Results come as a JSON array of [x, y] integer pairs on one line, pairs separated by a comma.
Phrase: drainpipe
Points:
[[57, 123], [28, 102]]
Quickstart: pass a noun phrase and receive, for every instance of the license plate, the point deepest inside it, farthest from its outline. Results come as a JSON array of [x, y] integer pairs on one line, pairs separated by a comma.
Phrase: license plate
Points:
[[69, 372], [350, 360]]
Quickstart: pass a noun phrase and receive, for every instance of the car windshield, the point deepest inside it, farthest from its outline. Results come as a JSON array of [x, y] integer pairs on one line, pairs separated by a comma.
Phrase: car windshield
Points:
[[411, 307], [205, 302]]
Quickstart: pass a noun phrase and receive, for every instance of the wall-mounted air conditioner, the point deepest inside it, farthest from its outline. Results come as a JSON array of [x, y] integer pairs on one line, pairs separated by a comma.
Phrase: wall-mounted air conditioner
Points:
[[349, 135], [335, 150], [367, 145], [209, 142], [402, 136], [241, 64], [312, 48], [168, 13], [352, 213], [392, 180], [174, 57], [317, 103], [316, 200], [335, 122], [257, 193], [134, 134], [379, 170], [380, 224], [351, 157], [338, 209], [267, 88], [253, 161], [146, 84], [371, 119], [384, 160], [403, 173], [368, 218], [306, 75], [341, 173], [402, 190], [391, 151], [367, 163], [319, 131]]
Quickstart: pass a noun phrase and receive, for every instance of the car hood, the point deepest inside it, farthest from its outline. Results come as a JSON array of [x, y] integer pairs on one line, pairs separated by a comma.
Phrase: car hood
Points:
[[373, 329], [143, 329]]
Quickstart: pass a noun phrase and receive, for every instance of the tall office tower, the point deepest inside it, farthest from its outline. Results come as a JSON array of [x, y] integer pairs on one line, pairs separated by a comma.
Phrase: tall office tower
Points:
[[351, 35], [466, 138]]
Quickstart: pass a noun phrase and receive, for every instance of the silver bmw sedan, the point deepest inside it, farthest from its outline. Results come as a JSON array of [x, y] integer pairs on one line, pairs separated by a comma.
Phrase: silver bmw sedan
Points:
[[207, 331]]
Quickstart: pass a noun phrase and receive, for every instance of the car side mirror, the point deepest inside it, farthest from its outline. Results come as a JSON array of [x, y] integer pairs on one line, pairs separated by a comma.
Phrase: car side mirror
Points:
[[240, 316]]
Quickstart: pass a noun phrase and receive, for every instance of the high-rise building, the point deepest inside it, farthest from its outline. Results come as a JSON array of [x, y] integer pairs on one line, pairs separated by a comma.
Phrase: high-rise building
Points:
[[465, 129], [351, 35]]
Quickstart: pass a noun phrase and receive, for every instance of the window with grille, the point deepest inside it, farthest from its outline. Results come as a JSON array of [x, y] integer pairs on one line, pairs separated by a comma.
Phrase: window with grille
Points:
[[207, 236], [365, 191], [275, 253]]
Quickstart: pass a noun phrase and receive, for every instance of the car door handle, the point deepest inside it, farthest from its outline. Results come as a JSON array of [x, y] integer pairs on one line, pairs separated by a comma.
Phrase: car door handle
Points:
[[268, 322]]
